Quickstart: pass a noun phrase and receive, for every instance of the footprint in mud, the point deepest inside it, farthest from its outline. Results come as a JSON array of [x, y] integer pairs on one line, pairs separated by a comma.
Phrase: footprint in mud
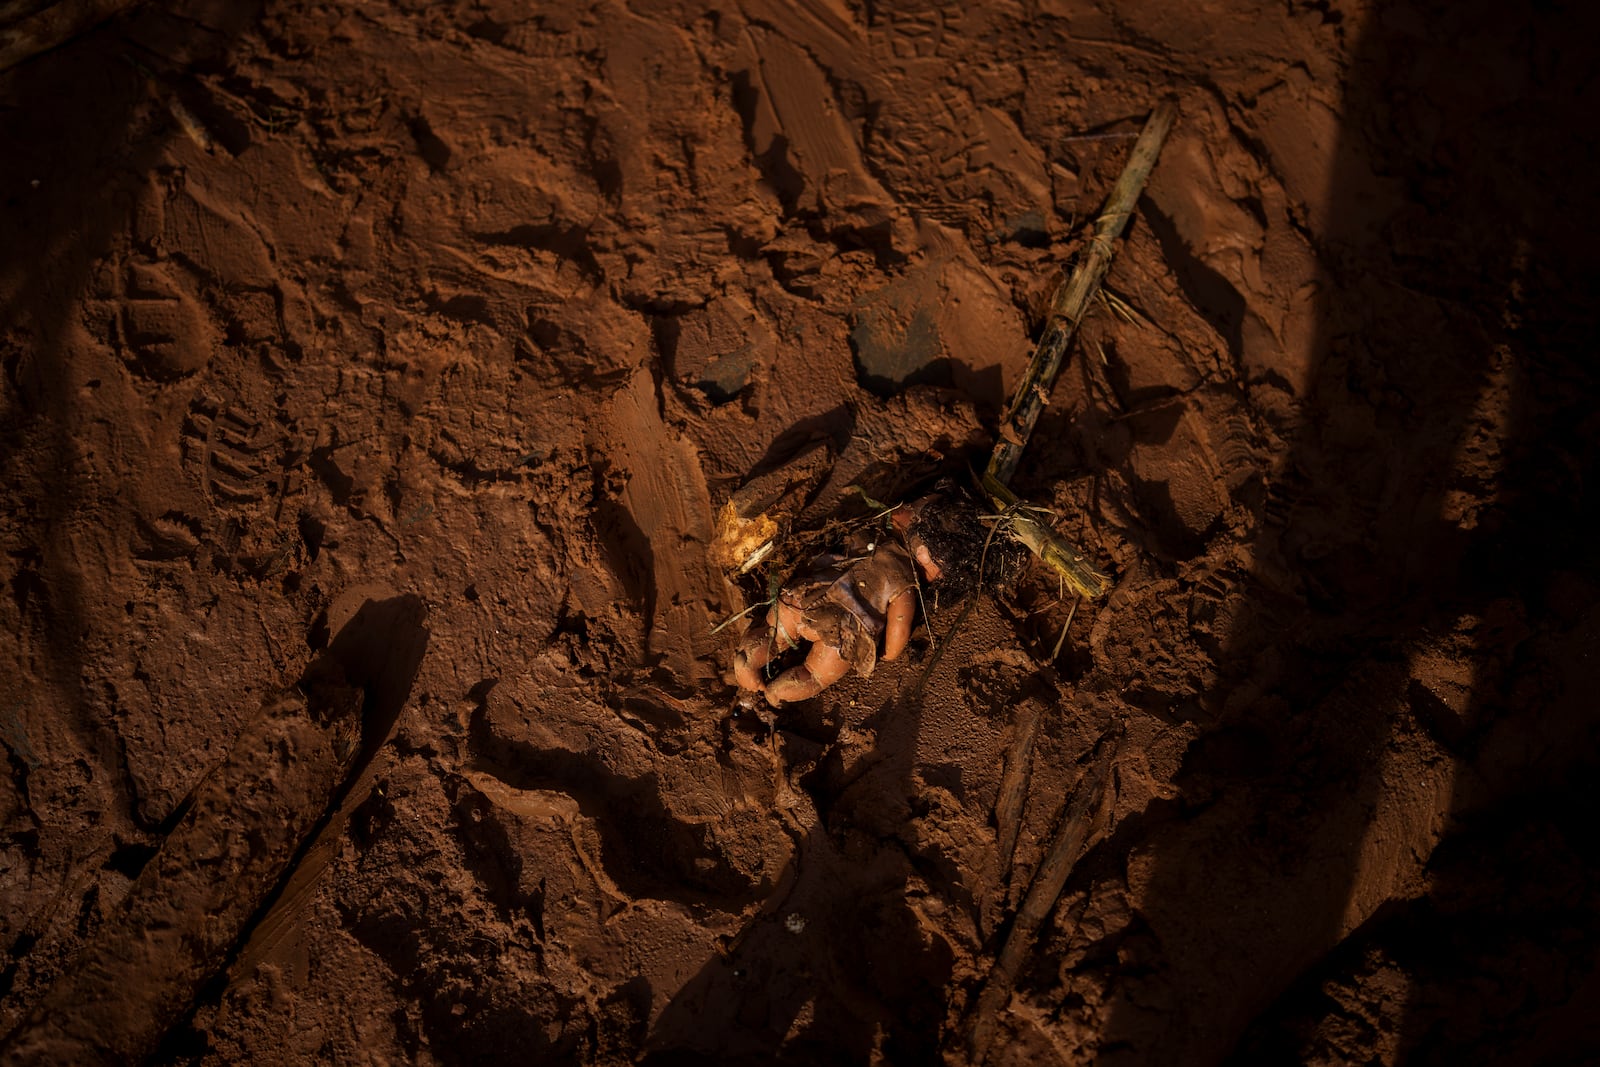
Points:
[[238, 463], [523, 781], [224, 445], [200, 282], [641, 851], [168, 332]]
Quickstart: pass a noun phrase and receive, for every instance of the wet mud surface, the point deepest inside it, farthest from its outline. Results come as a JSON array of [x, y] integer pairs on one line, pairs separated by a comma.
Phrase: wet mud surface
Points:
[[468, 318]]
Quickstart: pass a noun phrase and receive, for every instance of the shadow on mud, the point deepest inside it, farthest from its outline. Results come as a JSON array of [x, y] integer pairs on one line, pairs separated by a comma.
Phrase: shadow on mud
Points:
[[1431, 511], [92, 132], [836, 965]]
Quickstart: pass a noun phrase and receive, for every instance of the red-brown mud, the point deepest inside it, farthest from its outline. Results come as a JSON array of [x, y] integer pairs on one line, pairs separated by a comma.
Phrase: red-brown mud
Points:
[[492, 305]]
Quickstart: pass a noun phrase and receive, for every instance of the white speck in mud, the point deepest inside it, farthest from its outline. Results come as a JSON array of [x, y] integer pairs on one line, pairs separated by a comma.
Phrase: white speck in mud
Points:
[[794, 923]]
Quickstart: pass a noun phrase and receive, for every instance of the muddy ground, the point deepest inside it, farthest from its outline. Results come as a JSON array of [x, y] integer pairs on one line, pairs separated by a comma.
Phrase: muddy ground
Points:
[[474, 313]]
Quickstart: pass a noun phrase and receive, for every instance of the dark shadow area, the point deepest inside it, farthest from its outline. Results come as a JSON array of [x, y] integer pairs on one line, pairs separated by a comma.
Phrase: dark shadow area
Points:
[[835, 968], [886, 377], [82, 125], [250, 836], [379, 651], [647, 852], [370, 667], [1211, 294], [833, 426], [1437, 496]]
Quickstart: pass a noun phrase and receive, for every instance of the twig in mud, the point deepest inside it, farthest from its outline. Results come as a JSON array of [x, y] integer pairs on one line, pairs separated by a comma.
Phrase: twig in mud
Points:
[[1081, 576], [1055, 652], [1014, 788], [1077, 138], [1067, 310], [922, 603], [1119, 307], [1071, 301], [731, 619], [1082, 824], [939, 647]]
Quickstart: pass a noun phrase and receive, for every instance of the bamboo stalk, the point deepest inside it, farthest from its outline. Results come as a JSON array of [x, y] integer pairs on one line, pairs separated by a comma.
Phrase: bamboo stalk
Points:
[[1071, 301], [1080, 575], [1067, 309], [1088, 814]]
